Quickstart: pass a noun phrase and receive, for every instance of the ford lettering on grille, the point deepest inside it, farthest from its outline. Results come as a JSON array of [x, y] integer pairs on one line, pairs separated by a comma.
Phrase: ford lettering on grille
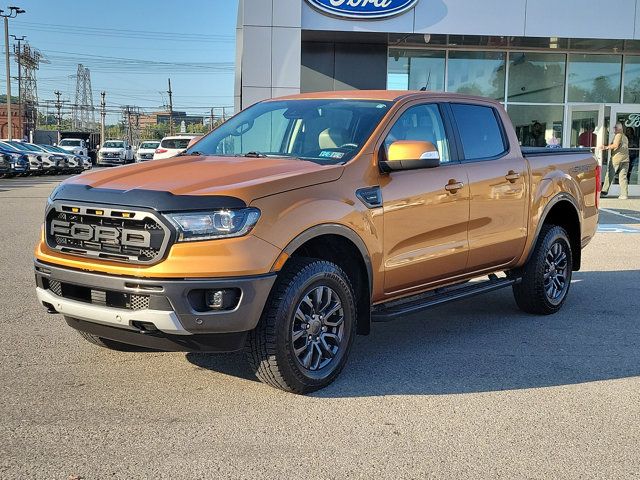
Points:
[[108, 234]]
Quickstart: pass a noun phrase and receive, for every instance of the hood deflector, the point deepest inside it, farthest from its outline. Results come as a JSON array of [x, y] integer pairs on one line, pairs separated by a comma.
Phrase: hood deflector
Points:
[[150, 199]]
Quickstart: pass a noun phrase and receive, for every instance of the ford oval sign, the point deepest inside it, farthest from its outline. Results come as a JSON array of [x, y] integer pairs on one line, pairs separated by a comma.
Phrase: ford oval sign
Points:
[[363, 9]]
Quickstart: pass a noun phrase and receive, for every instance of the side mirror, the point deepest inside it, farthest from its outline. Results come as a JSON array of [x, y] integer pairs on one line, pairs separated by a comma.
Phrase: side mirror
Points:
[[410, 155]]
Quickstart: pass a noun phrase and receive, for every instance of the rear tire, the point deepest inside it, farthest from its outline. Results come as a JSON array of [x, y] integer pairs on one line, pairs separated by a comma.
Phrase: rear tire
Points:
[[546, 278], [304, 336]]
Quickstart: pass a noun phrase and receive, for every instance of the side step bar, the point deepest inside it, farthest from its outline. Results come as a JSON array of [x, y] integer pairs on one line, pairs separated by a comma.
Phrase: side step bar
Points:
[[398, 308]]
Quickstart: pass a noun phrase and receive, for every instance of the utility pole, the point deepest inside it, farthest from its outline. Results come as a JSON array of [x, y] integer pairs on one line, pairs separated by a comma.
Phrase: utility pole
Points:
[[103, 116], [211, 120], [170, 109], [18, 55], [57, 93], [129, 130], [13, 13]]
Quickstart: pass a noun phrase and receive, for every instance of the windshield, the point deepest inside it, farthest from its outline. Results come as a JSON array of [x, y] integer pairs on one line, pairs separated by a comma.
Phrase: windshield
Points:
[[9, 147], [51, 148], [24, 146], [70, 143], [113, 145], [149, 145], [175, 143], [324, 131]]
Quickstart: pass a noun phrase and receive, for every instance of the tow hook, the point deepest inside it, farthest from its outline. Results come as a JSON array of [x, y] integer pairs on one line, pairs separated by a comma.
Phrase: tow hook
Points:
[[144, 328]]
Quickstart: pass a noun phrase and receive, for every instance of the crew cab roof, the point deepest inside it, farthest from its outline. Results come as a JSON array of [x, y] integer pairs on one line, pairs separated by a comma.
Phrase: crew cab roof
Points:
[[385, 95]]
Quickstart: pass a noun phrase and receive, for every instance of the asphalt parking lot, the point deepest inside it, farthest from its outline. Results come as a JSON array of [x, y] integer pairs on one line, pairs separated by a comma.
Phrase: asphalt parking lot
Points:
[[475, 389]]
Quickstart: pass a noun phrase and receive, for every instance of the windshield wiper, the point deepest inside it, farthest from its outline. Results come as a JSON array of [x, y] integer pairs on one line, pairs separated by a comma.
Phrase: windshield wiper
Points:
[[190, 154], [255, 155]]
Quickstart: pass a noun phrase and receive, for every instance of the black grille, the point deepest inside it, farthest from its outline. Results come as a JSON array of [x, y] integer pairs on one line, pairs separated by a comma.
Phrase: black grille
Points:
[[108, 298], [139, 302], [108, 236], [55, 287]]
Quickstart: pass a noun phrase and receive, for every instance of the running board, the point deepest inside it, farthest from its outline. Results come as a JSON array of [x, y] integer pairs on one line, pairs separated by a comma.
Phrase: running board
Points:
[[398, 308]]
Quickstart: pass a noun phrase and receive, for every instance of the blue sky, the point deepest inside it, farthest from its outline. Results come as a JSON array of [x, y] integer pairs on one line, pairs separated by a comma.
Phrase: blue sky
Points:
[[132, 48]]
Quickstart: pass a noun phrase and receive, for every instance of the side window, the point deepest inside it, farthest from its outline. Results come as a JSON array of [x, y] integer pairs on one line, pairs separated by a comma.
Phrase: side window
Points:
[[479, 130], [423, 123]]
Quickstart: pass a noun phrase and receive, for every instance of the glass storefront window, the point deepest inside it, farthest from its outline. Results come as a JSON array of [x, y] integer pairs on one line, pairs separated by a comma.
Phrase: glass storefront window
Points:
[[538, 125], [631, 80], [595, 78], [536, 77], [415, 70], [477, 73]]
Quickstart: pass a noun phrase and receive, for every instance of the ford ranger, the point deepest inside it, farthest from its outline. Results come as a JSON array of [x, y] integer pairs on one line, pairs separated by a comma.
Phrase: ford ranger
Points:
[[290, 228]]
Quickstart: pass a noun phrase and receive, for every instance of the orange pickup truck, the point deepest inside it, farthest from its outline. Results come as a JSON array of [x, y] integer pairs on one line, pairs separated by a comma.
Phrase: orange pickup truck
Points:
[[290, 228]]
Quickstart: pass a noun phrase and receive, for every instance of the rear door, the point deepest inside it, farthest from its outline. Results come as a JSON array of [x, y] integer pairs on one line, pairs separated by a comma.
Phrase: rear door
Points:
[[425, 216], [498, 181]]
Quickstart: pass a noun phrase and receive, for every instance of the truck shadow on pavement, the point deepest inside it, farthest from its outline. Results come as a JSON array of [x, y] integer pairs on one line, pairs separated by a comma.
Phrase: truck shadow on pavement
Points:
[[486, 344]]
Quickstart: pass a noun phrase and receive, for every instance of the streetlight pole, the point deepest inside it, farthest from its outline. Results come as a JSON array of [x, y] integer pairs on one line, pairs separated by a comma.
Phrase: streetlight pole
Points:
[[13, 13], [18, 58]]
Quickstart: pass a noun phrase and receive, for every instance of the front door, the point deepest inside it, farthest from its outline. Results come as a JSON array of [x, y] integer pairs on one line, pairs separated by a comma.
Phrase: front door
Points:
[[425, 219]]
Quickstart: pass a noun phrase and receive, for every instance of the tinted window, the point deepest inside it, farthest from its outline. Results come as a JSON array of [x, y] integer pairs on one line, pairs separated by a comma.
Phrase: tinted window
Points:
[[421, 123], [479, 130]]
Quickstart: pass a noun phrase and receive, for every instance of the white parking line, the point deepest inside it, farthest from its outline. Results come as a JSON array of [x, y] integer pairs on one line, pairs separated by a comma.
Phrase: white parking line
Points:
[[637, 219]]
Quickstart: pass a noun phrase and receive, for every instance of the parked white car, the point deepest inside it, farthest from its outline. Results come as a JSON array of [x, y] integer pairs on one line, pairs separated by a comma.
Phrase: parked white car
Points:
[[115, 152], [172, 146], [147, 150], [75, 146]]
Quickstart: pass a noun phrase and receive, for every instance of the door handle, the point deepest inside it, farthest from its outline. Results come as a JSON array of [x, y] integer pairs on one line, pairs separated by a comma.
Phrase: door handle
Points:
[[512, 176], [453, 186]]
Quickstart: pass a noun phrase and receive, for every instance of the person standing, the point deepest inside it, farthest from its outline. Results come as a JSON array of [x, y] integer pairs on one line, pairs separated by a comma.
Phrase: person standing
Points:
[[619, 163], [633, 151]]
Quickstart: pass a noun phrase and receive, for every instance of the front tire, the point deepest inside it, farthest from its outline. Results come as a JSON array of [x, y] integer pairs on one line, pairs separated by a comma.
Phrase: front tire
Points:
[[546, 278], [304, 336]]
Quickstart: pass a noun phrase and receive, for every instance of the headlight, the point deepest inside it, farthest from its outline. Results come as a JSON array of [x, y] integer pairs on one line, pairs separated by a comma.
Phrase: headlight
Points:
[[213, 225]]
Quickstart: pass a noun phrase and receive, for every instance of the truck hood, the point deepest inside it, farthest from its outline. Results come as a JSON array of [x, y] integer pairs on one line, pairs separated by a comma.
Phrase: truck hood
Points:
[[244, 178]]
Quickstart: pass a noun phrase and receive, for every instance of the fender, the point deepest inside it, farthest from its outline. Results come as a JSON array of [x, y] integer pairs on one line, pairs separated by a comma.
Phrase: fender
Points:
[[364, 306], [561, 197], [334, 229]]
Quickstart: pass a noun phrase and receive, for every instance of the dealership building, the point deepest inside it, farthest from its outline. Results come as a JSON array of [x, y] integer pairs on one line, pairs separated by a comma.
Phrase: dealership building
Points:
[[566, 70]]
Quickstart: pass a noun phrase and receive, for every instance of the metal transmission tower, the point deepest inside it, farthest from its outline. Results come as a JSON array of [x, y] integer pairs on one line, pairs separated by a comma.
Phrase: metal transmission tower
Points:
[[131, 121], [84, 115], [29, 60]]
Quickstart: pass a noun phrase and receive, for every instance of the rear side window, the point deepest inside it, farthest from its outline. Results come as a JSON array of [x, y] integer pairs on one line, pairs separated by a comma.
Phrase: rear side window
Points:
[[176, 143], [480, 132]]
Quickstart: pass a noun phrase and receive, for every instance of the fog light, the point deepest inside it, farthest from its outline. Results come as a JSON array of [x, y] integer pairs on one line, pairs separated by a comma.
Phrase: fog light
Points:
[[221, 299]]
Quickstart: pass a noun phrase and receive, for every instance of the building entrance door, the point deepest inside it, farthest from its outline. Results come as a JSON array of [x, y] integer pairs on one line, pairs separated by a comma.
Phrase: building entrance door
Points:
[[585, 128], [629, 116]]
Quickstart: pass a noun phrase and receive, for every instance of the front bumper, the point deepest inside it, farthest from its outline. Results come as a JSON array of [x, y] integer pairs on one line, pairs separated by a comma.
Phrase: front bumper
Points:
[[162, 304]]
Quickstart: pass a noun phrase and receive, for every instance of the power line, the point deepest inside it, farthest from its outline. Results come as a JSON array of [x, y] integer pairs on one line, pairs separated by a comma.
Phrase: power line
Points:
[[122, 33]]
